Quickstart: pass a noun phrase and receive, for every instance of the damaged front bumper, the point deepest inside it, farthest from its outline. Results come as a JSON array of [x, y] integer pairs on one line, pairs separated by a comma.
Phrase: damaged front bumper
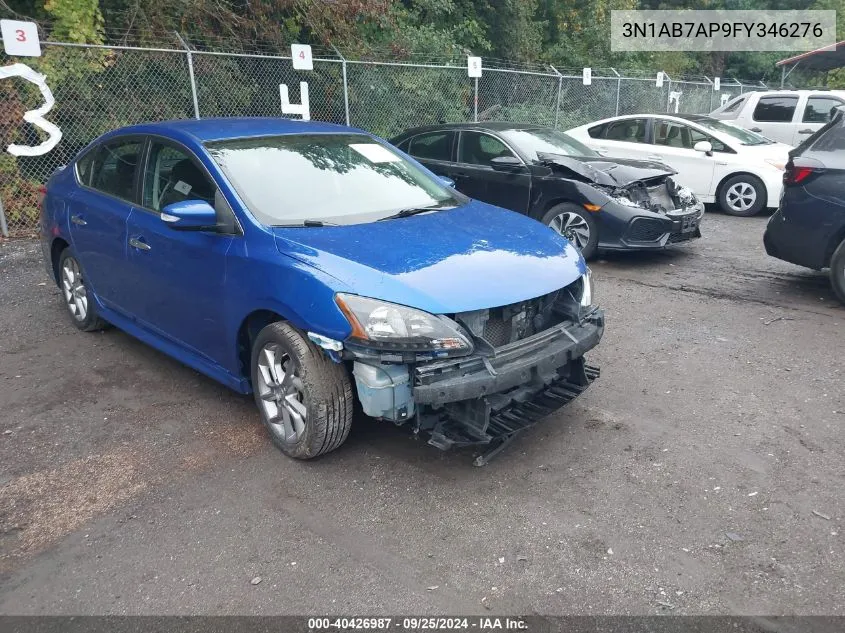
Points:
[[488, 399]]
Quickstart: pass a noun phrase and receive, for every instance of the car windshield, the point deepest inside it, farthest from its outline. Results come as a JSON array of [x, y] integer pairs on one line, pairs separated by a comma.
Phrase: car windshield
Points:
[[290, 180], [547, 141], [743, 136]]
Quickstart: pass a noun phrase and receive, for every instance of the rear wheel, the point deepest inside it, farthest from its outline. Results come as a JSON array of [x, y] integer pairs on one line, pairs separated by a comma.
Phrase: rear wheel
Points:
[[837, 271], [575, 224], [742, 195], [76, 293], [304, 398]]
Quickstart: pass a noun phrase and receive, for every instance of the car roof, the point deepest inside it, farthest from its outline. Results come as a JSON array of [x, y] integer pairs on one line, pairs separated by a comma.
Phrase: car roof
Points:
[[484, 126], [217, 129]]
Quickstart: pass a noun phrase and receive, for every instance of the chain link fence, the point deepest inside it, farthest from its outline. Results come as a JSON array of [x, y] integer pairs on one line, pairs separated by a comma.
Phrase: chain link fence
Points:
[[100, 88]]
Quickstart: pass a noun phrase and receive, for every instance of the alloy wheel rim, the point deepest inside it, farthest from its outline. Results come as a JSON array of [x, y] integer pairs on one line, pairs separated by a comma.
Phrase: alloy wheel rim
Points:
[[73, 287], [281, 393], [741, 196], [573, 227]]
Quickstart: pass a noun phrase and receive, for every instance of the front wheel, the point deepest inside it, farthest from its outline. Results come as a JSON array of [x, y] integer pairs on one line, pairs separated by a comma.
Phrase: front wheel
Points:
[[575, 224], [742, 195], [837, 271], [304, 398]]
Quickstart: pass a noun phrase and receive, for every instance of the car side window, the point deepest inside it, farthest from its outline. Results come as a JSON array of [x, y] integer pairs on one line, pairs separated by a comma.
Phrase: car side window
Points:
[[173, 175], [674, 134], [597, 131], [432, 146], [775, 109], [476, 148], [627, 130], [114, 168], [84, 168], [818, 109]]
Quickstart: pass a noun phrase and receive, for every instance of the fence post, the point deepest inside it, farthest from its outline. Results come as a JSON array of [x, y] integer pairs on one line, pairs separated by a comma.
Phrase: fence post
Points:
[[475, 105], [668, 92], [4, 228], [190, 74], [345, 84], [618, 88], [559, 86]]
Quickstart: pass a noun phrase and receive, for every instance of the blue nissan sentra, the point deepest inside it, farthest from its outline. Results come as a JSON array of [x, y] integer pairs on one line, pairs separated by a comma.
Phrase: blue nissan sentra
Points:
[[314, 264]]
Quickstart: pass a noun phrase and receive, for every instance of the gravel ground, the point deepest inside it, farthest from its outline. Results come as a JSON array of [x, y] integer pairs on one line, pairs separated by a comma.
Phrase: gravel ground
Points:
[[701, 474]]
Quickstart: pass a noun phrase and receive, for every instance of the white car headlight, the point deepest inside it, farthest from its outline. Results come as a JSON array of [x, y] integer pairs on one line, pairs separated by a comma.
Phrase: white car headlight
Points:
[[390, 326]]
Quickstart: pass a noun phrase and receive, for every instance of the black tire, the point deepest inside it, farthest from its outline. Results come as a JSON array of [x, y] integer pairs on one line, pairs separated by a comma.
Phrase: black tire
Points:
[[588, 250], [837, 271], [76, 293], [731, 202], [323, 391]]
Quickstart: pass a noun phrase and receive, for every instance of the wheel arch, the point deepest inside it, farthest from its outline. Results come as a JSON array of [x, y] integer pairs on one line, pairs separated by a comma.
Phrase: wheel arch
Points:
[[58, 245], [833, 244], [248, 330], [743, 173]]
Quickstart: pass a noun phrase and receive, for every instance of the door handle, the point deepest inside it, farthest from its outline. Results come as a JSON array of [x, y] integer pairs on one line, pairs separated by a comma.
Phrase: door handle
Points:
[[134, 242], [77, 219], [756, 129], [807, 131]]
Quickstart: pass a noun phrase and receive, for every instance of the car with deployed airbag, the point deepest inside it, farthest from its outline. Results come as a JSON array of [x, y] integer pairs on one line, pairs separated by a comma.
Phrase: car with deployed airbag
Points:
[[312, 265]]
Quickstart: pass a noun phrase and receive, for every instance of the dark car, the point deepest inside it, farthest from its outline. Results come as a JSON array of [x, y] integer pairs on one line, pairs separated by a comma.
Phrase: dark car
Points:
[[312, 265], [594, 201], [808, 228]]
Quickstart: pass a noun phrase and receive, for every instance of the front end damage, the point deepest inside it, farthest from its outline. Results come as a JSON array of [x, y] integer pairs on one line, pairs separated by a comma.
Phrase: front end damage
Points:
[[526, 361], [661, 211]]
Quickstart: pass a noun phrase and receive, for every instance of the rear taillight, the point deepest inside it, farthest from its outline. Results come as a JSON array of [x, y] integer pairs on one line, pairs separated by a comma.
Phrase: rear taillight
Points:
[[799, 169]]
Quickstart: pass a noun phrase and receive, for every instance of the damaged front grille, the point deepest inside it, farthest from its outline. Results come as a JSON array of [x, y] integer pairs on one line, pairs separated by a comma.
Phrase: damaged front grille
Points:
[[511, 323], [661, 197]]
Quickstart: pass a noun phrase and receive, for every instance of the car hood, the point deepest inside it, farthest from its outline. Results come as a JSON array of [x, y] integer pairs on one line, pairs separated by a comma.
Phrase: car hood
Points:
[[612, 172], [468, 258]]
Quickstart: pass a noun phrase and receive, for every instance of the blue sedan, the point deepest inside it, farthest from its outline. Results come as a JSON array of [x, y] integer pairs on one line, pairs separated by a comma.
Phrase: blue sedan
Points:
[[313, 265]]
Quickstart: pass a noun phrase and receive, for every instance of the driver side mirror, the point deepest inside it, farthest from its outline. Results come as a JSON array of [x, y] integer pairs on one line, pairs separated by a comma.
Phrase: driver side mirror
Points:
[[505, 163], [704, 146], [446, 181], [190, 215]]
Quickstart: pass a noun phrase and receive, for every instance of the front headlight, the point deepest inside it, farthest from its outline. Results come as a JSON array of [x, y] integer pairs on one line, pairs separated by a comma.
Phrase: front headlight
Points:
[[395, 327]]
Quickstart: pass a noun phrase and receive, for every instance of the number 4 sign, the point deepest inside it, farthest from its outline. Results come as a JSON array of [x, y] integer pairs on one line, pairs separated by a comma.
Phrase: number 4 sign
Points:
[[301, 55], [20, 38]]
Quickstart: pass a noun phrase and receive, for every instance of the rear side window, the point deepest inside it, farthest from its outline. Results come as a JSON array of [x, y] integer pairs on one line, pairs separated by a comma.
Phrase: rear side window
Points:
[[629, 130], [114, 168], [775, 109], [597, 131], [479, 149], [818, 109], [84, 168], [432, 146]]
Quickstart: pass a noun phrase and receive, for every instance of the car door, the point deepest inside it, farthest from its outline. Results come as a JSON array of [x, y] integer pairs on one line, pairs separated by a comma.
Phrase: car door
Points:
[[774, 116], [98, 211], [625, 138], [673, 144], [506, 186], [435, 150], [815, 113], [178, 277]]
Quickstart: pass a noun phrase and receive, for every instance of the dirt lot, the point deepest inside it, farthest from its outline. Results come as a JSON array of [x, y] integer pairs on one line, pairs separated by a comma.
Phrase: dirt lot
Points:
[[702, 473]]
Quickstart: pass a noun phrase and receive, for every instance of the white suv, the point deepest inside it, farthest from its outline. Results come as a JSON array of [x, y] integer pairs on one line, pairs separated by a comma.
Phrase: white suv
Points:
[[788, 116]]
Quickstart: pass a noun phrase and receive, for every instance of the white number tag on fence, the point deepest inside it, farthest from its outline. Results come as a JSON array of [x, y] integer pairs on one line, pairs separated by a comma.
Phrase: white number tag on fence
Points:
[[303, 109], [660, 79], [717, 83], [301, 56], [587, 76], [20, 38], [474, 66]]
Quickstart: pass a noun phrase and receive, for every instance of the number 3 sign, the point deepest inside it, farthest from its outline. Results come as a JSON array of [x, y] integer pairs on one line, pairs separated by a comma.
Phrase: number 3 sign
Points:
[[20, 38], [36, 117]]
